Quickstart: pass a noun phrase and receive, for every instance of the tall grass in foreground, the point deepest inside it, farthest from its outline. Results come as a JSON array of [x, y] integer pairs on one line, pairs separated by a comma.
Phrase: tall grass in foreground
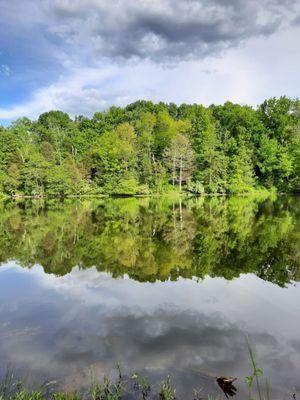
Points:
[[254, 379]]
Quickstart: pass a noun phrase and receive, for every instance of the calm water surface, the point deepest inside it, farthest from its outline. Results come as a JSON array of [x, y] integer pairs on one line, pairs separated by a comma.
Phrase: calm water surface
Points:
[[162, 286]]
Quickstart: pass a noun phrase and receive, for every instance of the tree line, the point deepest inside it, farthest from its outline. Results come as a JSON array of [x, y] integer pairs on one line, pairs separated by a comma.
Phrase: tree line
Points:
[[148, 148]]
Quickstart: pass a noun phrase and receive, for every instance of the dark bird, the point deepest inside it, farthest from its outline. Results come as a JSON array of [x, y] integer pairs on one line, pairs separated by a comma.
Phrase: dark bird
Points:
[[226, 384]]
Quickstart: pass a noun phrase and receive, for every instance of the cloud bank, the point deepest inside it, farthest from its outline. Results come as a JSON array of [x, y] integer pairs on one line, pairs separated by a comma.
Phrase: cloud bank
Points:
[[53, 53], [164, 30]]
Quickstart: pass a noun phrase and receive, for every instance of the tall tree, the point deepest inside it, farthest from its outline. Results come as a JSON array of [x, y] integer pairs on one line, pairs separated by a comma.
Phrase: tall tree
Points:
[[179, 158]]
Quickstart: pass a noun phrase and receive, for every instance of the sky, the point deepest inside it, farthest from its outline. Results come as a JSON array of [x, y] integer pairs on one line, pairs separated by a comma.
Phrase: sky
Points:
[[81, 56]]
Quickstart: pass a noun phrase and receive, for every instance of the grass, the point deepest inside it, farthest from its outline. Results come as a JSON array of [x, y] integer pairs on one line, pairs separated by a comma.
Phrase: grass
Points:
[[166, 391], [254, 379]]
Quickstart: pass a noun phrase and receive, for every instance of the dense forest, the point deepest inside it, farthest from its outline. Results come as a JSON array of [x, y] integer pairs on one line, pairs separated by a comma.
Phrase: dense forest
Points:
[[148, 148]]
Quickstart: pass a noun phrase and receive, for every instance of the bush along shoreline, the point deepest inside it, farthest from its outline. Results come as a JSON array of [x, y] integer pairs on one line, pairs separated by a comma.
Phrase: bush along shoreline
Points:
[[148, 149]]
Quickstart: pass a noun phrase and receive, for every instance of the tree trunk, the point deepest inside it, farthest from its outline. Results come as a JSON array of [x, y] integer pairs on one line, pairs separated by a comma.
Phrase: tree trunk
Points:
[[180, 173], [149, 152], [174, 171], [180, 214], [74, 152], [174, 217]]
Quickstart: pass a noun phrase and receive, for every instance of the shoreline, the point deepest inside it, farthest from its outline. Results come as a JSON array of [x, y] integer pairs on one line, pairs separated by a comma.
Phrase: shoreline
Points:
[[257, 193]]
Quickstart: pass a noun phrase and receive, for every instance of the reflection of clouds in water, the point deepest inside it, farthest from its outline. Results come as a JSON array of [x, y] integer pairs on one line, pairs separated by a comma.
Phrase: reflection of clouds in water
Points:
[[160, 343], [163, 342], [65, 325]]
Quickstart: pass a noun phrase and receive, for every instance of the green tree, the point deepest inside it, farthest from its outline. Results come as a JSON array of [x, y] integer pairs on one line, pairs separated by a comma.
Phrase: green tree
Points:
[[241, 173], [179, 158], [143, 147], [115, 159], [145, 142], [212, 162]]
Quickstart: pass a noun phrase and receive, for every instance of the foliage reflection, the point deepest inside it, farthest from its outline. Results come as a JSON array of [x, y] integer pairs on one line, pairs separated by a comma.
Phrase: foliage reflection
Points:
[[156, 239]]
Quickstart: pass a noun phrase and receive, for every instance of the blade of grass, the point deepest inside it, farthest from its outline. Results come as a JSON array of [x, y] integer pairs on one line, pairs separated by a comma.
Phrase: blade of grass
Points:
[[256, 370]]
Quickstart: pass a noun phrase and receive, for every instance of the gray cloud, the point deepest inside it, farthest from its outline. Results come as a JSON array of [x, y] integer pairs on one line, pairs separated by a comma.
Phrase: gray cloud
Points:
[[164, 30], [296, 21]]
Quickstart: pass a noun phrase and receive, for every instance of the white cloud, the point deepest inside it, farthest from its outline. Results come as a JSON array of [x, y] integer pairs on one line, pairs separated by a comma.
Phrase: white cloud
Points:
[[247, 75], [85, 90], [261, 67], [5, 70], [70, 94]]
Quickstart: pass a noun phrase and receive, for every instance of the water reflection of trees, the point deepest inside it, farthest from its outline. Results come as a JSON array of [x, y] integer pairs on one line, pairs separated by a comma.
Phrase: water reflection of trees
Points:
[[156, 239]]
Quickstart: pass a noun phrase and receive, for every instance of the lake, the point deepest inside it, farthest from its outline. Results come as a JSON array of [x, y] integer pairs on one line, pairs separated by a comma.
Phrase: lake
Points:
[[162, 286]]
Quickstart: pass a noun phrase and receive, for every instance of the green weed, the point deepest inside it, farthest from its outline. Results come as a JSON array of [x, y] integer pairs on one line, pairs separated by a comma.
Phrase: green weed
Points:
[[254, 378]]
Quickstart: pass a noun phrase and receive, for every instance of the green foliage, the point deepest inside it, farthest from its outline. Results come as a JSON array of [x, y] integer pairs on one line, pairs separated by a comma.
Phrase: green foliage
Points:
[[212, 162], [242, 174], [166, 391], [255, 377], [54, 120], [124, 387], [145, 147], [109, 390], [125, 186], [195, 187], [9, 147], [278, 115]]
